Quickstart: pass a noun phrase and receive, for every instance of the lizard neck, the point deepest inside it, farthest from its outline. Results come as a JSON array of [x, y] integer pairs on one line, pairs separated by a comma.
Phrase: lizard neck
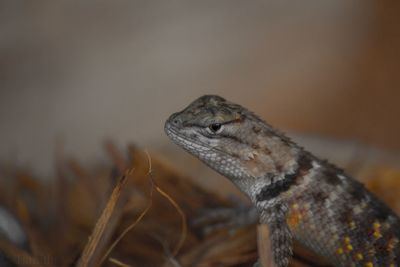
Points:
[[270, 187], [278, 185], [265, 152]]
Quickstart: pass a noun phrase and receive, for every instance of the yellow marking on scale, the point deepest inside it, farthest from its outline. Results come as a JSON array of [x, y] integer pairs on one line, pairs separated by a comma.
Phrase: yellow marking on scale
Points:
[[359, 256], [349, 248], [377, 230], [294, 218]]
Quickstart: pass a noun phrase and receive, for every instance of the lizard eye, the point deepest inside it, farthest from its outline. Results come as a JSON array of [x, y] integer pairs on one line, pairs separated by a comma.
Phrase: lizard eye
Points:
[[215, 127]]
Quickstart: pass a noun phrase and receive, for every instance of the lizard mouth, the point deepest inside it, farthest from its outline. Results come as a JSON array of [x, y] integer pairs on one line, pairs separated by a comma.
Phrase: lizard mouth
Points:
[[183, 141]]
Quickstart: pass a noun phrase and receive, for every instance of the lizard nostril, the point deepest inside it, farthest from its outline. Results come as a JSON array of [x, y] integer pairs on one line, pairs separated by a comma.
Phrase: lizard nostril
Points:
[[173, 119]]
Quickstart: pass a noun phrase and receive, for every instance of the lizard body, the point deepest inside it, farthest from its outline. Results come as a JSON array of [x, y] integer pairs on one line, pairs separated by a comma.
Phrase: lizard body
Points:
[[298, 195]]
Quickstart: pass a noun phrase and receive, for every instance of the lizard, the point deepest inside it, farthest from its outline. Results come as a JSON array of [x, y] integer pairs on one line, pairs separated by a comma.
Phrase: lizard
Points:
[[297, 195]]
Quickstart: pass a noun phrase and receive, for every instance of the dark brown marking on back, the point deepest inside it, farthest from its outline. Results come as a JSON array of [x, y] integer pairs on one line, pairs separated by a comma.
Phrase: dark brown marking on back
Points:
[[255, 146], [305, 164], [266, 151], [279, 167], [382, 254], [235, 155], [346, 215], [331, 177], [319, 196], [357, 191], [331, 173], [274, 189], [256, 129], [380, 210]]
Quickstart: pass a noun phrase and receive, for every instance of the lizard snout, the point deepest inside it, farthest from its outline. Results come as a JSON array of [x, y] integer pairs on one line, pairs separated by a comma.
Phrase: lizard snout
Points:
[[174, 120]]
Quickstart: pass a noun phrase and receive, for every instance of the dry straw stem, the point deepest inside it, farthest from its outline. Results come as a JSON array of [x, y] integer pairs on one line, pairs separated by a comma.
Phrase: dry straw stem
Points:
[[118, 262], [183, 217], [99, 233], [264, 246], [176, 206], [130, 227]]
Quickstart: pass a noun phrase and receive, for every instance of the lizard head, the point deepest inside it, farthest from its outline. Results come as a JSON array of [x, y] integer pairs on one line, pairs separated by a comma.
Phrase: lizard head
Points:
[[229, 138]]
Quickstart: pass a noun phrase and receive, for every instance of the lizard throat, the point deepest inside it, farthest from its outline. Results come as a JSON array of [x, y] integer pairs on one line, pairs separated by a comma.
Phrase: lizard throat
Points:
[[213, 157]]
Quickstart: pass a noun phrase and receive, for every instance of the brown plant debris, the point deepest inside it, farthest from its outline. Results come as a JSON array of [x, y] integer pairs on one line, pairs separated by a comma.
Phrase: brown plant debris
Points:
[[133, 211]]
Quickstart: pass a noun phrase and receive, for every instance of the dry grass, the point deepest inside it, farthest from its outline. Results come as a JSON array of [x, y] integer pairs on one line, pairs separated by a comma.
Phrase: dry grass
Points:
[[135, 211]]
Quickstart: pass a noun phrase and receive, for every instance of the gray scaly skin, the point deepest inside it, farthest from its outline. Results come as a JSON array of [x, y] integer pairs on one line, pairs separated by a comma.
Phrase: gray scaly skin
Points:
[[298, 195]]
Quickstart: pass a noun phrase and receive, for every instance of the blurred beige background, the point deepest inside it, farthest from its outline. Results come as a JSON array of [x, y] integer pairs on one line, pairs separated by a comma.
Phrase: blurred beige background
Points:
[[78, 72]]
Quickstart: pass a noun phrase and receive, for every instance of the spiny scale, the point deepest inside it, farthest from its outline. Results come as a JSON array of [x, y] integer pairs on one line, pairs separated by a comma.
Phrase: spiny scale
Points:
[[296, 194]]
